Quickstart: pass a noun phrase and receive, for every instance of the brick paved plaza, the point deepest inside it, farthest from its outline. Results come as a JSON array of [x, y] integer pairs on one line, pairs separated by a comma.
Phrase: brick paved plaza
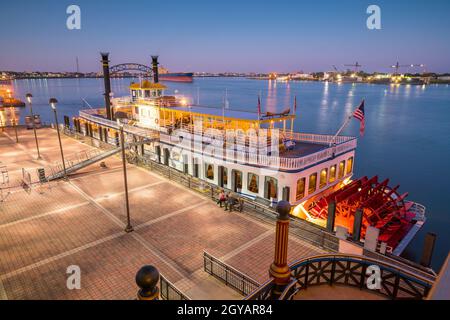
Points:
[[81, 222]]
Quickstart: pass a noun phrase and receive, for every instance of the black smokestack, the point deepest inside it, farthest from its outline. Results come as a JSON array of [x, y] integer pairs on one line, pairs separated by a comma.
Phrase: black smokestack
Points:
[[155, 69], [106, 78]]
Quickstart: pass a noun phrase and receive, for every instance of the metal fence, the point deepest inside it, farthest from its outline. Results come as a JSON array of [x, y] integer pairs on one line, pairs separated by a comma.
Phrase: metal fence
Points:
[[350, 270], [168, 291], [230, 276]]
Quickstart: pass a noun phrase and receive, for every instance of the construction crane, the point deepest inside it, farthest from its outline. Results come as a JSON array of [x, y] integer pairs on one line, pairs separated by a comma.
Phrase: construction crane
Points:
[[356, 66], [397, 66]]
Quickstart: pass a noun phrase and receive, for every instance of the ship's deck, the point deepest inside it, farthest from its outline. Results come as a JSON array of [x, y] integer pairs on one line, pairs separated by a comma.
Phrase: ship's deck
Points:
[[302, 149]]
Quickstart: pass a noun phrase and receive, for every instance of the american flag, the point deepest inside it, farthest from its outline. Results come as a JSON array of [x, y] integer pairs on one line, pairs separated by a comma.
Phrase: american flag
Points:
[[359, 114]]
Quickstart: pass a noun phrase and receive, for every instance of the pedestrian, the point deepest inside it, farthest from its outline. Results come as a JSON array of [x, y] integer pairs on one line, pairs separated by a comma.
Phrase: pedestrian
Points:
[[241, 204], [222, 198], [228, 199]]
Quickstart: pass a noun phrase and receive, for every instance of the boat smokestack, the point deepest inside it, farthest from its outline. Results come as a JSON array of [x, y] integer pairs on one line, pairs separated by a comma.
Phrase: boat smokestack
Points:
[[155, 69], [107, 80]]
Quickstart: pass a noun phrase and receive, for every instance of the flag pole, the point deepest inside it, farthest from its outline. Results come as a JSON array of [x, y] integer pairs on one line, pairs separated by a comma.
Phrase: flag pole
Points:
[[349, 118], [346, 122]]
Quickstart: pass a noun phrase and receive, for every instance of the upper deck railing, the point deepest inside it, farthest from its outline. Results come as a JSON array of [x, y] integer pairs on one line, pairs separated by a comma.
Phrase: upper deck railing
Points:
[[94, 115], [242, 153]]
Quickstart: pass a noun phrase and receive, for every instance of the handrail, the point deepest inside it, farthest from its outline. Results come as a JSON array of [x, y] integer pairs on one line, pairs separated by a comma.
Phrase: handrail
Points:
[[243, 154], [297, 263], [396, 282], [263, 292], [404, 285], [167, 289], [231, 276]]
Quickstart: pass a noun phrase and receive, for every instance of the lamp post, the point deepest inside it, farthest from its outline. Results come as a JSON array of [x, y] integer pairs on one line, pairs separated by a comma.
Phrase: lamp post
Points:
[[29, 97], [13, 111], [128, 228], [53, 103]]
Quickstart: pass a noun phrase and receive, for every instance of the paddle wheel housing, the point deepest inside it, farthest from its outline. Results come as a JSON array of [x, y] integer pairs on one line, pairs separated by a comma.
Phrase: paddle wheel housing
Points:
[[382, 206]]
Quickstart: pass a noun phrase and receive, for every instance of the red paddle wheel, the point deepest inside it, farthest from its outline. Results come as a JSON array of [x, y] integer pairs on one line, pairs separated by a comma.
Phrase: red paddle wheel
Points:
[[383, 208]]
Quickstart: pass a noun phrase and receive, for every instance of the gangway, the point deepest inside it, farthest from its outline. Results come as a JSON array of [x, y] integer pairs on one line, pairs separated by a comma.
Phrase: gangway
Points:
[[84, 159]]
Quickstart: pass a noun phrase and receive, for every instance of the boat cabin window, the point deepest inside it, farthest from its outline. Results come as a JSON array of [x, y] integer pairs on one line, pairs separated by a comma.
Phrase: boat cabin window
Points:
[[225, 176], [349, 166], [209, 171], [323, 177], [147, 93], [312, 183], [332, 176], [271, 188], [236, 180], [341, 169], [300, 188], [253, 183]]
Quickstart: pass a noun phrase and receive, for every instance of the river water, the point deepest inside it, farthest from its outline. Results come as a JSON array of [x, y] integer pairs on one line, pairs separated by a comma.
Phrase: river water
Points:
[[407, 136]]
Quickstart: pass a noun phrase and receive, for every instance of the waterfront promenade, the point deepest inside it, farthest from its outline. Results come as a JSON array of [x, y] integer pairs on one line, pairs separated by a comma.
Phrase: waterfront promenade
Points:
[[81, 222]]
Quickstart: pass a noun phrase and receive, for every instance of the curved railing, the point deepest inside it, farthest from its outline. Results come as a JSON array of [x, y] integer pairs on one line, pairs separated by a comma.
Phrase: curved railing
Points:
[[352, 270]]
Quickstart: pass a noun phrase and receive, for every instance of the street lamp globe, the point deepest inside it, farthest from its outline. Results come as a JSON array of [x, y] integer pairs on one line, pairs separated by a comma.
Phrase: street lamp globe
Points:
[[29, 96], [53, 103]]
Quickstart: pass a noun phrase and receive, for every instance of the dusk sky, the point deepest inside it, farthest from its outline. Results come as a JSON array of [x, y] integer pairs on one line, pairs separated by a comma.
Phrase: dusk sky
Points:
[[259, 36]]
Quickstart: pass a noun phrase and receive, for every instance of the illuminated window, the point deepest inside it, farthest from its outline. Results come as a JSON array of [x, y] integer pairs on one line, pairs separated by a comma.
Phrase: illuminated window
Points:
[[312, 183], [349, 166], [323, 178], [332, 176], [341, 169], [253, 183], [209, 171], [300, 188], [271, 188]]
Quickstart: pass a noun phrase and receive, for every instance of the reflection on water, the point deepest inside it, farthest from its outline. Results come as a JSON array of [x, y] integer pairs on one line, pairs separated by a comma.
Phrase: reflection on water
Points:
[[407, 127]]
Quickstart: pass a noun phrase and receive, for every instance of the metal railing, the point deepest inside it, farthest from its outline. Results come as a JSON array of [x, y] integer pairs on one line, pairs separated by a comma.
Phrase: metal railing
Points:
[[264, 292], [351, 270], [229, 275], [241, 153], [168, 291], [93, 115]]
